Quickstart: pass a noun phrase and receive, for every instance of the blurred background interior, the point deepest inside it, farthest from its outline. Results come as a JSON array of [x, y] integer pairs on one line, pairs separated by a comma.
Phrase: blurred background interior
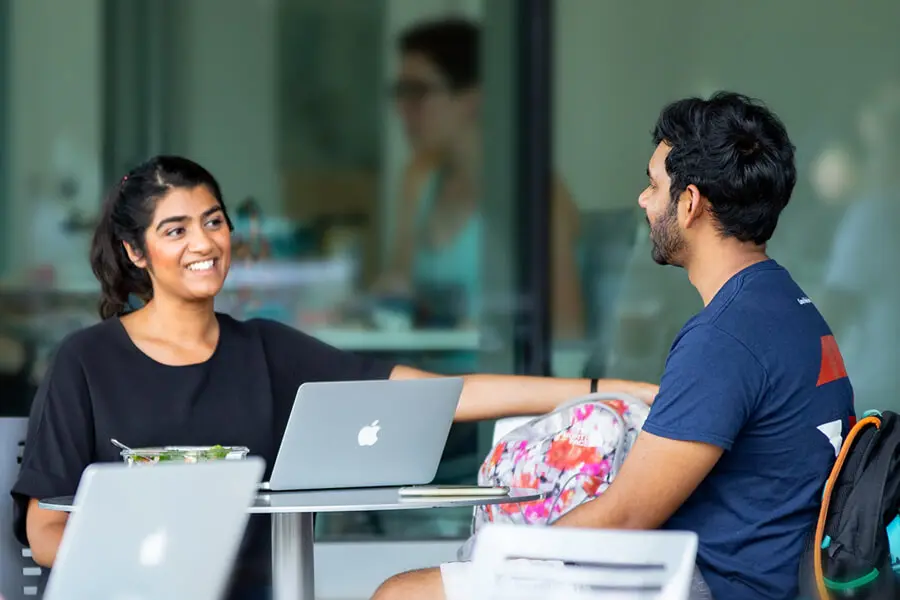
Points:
[[368, 152]]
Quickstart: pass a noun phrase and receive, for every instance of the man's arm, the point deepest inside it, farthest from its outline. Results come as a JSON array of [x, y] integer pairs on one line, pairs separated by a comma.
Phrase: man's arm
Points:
[[708, 392], [655, 480], [498, 396]]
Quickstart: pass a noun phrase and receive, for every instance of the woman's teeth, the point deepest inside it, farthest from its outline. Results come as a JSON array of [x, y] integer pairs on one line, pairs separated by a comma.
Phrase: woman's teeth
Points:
[[203, 265]]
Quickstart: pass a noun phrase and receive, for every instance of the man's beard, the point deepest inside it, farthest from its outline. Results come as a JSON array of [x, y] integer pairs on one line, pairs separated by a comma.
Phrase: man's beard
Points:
[[666, 240]]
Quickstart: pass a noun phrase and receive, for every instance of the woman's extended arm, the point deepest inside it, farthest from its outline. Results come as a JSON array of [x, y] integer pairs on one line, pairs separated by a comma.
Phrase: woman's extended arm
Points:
[[498, 396]]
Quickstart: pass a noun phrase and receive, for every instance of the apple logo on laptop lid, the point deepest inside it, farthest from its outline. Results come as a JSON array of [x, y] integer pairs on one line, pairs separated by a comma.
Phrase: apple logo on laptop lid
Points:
[[152, 552], [368, 435]]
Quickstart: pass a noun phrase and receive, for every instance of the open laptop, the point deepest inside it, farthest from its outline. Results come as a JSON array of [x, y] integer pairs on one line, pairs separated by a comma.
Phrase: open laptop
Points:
[[164, 531], [354, 434]]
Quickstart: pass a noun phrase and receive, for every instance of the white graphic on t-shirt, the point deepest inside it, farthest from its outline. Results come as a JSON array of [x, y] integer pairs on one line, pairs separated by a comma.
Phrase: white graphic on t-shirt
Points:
[[832, 431]]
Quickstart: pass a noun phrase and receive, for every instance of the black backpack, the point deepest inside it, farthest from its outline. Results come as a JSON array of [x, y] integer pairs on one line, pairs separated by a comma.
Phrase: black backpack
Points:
[[850, 554]]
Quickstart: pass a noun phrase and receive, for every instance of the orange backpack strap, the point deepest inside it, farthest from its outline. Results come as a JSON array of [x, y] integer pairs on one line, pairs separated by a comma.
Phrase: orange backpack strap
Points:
[[826, 499]]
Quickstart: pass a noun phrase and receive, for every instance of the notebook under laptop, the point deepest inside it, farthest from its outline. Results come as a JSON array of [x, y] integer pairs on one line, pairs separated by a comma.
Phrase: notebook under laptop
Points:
[[355, 434], [164, 531]]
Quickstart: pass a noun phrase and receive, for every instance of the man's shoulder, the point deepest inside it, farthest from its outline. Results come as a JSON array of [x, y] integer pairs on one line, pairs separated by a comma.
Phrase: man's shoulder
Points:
[[709, 336], [707, 351], [766, 309]]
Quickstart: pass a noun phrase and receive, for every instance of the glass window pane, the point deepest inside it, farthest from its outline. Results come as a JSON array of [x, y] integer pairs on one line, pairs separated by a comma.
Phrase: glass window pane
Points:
[[354, 169], [830, 79], [5, 33]]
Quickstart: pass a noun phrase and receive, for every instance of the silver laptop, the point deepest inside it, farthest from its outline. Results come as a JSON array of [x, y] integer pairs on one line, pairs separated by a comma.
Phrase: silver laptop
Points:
[[353, 434], [164, 531]]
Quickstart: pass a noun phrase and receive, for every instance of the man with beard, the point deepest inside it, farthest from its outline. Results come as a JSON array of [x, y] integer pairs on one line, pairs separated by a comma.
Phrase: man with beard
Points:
[[754, 401]]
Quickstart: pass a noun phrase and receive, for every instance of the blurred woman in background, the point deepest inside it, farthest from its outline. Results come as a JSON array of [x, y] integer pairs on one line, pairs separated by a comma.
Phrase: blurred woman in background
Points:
[[440, 225]]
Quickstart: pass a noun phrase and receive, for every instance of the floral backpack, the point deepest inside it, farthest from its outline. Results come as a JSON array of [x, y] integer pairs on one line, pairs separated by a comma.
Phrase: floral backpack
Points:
[[572, 454]]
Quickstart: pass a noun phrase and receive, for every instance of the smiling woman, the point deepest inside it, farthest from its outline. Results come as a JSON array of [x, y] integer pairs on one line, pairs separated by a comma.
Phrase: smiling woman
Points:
[[165, 217]]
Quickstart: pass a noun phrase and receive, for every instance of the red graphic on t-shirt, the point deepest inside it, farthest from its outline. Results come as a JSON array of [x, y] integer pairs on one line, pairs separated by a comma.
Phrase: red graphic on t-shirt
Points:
[[832, 367]]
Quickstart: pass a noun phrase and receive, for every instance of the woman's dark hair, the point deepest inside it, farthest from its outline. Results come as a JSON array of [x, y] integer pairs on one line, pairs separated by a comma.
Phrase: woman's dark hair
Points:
[[451, 44], [127, 214], [738, 154]]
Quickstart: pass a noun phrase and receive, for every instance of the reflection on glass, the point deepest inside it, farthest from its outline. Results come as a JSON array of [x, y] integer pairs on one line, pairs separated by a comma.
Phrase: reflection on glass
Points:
[[843, 218], [293, 118], [859, 286], [440, 225]]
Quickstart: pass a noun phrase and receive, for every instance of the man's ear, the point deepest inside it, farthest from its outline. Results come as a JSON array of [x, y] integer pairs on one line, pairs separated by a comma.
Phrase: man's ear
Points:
[[135, 257], [692, 206]]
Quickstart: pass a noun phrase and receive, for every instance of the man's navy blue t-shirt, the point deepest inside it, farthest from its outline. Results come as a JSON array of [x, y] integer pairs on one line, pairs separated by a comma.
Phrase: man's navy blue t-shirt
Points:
[[757, 373]]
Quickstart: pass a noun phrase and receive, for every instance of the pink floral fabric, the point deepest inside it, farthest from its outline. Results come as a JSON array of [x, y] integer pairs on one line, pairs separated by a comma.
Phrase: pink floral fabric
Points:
[[573, 454]]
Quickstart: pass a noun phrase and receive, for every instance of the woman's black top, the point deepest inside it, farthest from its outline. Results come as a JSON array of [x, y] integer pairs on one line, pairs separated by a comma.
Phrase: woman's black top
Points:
[[101, 386]]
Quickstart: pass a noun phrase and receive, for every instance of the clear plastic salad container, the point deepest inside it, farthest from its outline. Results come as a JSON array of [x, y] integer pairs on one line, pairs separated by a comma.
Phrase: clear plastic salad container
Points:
[[183, 454]]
